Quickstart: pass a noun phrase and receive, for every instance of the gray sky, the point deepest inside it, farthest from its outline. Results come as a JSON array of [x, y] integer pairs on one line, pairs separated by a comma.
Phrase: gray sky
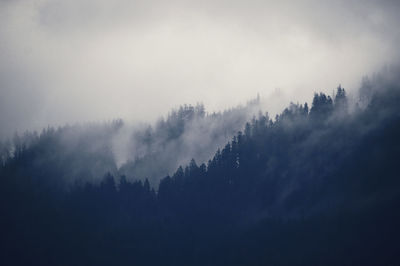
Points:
[[94, 60]]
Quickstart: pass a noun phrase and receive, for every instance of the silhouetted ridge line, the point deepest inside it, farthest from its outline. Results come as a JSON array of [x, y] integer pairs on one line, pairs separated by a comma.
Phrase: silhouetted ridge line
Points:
[[316, 185]]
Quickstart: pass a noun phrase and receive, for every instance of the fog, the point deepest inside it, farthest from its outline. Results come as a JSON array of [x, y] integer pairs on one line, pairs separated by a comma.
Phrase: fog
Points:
[[73, 61]]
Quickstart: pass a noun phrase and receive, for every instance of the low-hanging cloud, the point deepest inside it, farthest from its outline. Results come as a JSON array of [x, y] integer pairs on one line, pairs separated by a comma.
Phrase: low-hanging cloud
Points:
[[68, 61]]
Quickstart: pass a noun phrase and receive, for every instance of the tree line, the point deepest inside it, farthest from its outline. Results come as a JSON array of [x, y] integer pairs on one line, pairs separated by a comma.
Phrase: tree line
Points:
[[315, 185]]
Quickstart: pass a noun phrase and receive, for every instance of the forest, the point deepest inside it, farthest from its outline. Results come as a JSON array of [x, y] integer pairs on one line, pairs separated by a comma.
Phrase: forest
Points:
[[318, 184]]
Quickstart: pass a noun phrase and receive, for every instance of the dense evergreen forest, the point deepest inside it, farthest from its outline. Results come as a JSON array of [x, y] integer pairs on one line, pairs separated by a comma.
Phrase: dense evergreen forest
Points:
[[318, 184], [87, 152]]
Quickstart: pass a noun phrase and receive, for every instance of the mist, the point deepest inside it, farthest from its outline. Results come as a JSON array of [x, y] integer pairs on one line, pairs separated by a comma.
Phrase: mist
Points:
[[190, 132], [77, 61], [199, 132]]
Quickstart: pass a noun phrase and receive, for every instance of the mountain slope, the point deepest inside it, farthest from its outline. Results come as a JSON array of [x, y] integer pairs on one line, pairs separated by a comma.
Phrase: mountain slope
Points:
[[315, 186]]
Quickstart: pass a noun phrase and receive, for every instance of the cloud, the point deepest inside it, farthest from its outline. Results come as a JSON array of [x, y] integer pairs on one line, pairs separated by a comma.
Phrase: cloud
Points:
[[68, 61]]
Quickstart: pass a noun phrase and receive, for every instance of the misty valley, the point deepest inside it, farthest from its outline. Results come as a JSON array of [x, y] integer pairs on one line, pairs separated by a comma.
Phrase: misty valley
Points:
[[317, 184]]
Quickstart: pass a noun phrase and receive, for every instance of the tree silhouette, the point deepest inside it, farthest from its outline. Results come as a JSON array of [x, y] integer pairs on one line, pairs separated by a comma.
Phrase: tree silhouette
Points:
[[311, 187]]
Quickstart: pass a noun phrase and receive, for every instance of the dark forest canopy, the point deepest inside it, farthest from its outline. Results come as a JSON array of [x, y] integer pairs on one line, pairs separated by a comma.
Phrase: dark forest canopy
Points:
[[316, 185]]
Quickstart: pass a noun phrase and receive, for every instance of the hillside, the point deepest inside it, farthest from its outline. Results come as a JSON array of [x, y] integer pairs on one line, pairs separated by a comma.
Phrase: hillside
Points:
[[316, 185]]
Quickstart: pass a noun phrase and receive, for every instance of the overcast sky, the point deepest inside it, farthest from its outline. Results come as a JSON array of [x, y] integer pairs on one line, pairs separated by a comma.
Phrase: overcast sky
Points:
[[65, 61]]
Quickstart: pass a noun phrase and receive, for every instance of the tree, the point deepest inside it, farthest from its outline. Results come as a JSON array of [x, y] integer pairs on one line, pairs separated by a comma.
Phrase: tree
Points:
[[341, 104], [322, 107]]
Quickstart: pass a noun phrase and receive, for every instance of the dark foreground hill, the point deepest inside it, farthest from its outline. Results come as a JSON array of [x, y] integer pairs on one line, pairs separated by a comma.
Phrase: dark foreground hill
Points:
[[314, 186]]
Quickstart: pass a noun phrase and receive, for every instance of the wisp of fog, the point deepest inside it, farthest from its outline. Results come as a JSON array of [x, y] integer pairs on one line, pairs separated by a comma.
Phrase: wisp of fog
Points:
[[77, 61]]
